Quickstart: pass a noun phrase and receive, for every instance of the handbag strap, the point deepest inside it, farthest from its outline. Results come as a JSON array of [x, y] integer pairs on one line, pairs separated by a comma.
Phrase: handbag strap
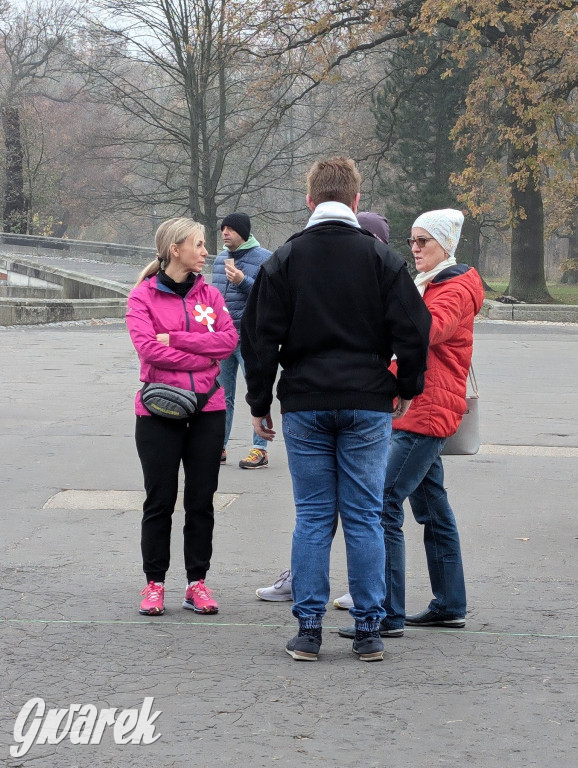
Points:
[[204, 397], [213, 389], [473, 382]]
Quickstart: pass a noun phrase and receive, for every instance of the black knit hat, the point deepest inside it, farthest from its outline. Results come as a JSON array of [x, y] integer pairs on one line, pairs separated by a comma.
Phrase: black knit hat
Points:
[[240, 222]]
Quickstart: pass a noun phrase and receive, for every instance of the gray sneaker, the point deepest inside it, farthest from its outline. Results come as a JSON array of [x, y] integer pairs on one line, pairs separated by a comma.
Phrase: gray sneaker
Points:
[[345, 602], [280, 591]]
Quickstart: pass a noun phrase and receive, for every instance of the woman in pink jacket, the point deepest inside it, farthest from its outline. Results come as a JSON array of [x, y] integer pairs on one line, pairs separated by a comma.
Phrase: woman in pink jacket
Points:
[[180, 328]]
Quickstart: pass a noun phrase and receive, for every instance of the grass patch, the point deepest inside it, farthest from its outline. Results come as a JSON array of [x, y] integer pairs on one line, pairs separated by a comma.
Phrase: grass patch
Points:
[[562, 293]]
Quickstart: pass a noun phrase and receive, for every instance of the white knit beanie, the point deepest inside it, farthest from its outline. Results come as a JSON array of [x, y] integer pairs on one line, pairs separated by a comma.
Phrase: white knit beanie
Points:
[[445, 226]]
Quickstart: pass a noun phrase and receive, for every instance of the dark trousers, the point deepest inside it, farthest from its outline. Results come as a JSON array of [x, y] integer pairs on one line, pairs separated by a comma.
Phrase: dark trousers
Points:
[[162, 445]]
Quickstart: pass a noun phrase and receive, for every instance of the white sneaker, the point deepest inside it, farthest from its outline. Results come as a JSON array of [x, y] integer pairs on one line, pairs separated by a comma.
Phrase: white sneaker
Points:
[[280, 591], [344, 602]]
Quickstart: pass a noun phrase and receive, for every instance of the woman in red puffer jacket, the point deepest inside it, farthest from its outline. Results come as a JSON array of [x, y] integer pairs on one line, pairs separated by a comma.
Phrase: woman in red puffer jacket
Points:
[[453, 294]]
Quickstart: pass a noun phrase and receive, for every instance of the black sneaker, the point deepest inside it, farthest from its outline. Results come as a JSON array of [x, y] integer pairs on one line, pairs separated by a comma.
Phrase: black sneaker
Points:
[[429, 618], [303, 647], [384, 631], [368, 645]]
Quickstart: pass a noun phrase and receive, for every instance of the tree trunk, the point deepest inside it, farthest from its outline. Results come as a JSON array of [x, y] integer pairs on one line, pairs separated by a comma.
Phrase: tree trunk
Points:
[[527, 275], [470, 250], [570, 266], [212, 232], [573, 245], [16, 203]]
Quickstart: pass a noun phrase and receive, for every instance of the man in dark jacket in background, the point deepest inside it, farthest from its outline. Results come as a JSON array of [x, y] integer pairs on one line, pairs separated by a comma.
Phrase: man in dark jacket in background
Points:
[[375, 223], [331, 306], [234, 281]]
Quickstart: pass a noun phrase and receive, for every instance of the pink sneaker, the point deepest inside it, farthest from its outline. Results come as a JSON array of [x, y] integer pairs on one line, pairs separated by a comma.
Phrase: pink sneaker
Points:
[[199, 598], [154, 599]]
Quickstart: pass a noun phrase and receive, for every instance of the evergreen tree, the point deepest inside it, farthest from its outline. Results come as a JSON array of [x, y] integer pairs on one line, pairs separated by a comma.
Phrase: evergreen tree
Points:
[[415, 112]]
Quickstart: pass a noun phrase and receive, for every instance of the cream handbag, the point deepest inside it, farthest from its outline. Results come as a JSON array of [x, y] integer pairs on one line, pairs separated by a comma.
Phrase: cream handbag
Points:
[[466, 441]]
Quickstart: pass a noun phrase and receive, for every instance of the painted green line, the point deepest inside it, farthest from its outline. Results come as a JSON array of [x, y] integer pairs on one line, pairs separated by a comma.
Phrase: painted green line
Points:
[[160, 622]]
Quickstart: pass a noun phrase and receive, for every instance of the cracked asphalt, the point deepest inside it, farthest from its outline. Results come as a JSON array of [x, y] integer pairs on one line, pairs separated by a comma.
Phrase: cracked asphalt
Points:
[[501, 692]]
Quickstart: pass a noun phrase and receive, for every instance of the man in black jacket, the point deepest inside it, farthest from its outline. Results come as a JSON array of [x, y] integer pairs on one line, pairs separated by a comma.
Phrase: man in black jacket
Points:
[[331, 306]]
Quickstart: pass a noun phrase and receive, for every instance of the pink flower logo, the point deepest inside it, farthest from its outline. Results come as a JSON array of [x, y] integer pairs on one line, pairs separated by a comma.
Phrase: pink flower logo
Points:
[[205, 315]]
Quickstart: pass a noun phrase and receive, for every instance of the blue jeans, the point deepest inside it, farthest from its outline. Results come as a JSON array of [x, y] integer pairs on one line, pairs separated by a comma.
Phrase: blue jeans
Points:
[[228, 379], [415, 470], [337, 460]]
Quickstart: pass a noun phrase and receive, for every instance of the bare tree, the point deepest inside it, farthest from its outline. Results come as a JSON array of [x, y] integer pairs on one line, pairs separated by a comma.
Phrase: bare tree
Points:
[[31, 38], [209, 125]]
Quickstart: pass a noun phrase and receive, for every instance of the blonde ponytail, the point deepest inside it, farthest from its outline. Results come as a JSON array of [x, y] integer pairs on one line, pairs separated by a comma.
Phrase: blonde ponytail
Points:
[[149, 270]]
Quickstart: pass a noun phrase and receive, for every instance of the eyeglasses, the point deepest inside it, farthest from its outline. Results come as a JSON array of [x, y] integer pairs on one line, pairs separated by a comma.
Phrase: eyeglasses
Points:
[[421, 241]]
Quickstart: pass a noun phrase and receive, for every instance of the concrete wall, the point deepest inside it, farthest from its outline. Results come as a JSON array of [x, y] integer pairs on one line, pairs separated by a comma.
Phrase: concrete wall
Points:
[[19, 292], [560, 313], [112, 252], [82, 297], [34, 311], [74, 285], [18, 277]]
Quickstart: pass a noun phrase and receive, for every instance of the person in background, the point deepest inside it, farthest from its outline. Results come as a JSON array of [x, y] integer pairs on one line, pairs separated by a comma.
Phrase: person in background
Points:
[[180, 328], [234, 273], [374, 223], [331, 306], [453, 294]]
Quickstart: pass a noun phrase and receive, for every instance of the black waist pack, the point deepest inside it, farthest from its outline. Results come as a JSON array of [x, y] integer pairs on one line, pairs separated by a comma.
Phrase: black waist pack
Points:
[[173, 402]]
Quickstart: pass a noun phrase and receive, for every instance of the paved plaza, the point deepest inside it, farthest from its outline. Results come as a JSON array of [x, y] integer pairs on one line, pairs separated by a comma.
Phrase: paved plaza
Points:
[[502, 692]]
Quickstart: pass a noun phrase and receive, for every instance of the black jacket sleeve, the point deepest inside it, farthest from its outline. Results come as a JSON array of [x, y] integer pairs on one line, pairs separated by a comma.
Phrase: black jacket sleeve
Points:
[[409, 320], [263, 329]]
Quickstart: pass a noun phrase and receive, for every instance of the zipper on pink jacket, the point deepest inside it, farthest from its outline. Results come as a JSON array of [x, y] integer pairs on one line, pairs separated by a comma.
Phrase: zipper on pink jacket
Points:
[[166, 289], [187, 327]]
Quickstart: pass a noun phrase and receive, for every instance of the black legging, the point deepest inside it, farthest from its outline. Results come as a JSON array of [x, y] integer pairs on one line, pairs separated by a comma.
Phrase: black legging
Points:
[[162, 445]]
